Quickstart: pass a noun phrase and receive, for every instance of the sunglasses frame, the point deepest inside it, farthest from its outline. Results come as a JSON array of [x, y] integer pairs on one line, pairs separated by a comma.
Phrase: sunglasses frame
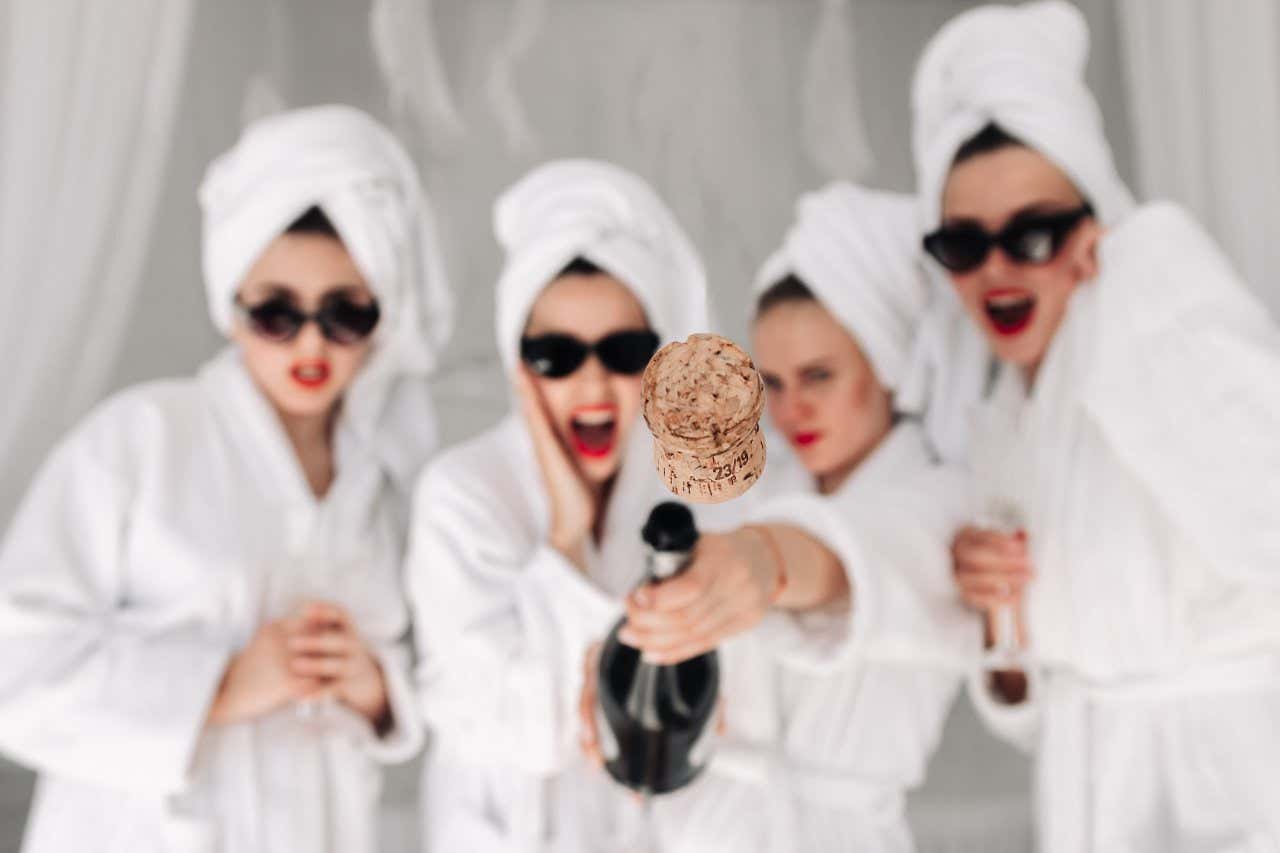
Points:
[[530, 356], [322, 317], [1059, 224]]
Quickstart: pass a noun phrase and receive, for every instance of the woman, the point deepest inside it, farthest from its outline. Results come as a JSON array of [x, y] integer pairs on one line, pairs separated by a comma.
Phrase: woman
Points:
[[1125, 454], [527, 538], [201, 620], [857, 707]]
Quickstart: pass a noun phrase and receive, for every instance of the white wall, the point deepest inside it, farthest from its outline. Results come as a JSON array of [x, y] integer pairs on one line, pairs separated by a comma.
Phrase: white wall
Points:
[[699, 96]]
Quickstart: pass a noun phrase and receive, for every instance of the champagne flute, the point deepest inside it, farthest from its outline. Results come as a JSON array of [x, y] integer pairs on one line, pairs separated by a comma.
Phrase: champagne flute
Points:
[[997, 478], [1006, 651]]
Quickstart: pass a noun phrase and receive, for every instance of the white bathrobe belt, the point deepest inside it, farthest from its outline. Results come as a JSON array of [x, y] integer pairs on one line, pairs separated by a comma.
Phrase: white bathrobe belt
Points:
[[1242, 673], [762, 765], [1065, 751]]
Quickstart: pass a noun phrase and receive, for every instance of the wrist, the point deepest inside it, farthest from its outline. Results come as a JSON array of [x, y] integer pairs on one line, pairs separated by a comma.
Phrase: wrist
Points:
[[571, 547], [774, 570], [218, 714], [377, 712]]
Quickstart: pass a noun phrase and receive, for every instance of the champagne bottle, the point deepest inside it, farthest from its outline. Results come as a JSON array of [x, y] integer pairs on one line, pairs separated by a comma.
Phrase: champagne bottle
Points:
[[656, 721]]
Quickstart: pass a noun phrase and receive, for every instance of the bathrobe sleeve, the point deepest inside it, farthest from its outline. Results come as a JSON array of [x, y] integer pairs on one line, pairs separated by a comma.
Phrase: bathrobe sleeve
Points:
[[891, 527], [95, 685], [1018, 724], [502, 628], [1185, 389], [404, 738]]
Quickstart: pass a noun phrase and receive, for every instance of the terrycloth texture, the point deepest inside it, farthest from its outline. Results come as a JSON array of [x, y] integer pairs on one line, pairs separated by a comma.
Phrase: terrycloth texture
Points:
[[504, 620], [341, 160], [857, 249], [158, 538], [1023, 69], [567, 209], [1144, 465]]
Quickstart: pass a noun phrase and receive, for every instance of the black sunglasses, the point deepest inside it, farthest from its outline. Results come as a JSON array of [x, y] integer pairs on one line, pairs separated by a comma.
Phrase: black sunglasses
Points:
[[556, 356], [1034, 238], [341, 320]]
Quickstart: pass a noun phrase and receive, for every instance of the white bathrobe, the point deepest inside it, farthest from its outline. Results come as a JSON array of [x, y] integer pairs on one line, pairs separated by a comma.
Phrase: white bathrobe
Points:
[[860, 709], [504, 621], [1145, 466], [1145, 469], [176, 520], [860, 714]]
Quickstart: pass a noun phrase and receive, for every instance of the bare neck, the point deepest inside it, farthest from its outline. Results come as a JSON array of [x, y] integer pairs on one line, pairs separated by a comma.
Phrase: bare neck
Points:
[[600, 494], [831, 481], [311, 437]]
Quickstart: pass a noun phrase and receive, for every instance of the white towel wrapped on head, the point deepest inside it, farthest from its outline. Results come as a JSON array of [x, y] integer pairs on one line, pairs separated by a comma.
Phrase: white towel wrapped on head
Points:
[[339, 159], [1022, 69], [566, 209], [858, 251]]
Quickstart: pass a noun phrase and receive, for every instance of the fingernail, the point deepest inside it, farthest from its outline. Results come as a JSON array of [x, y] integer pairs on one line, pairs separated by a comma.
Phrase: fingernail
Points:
[[641, 597], [627, 636], [649, 657]]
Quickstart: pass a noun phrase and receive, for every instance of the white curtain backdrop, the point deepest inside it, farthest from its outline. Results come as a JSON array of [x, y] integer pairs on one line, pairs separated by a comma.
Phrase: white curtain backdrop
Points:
[[1204, 96], [88, 93]]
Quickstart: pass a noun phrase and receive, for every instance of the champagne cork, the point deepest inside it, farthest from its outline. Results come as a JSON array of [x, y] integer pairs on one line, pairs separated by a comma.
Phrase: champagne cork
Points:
[[702, 402]]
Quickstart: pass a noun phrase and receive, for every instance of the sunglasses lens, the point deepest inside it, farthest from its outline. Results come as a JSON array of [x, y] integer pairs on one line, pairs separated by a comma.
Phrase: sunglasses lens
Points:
[[553, 356], [1034, 245], [346, 322], [275, 319], [627, 353], [1036, 240], [958, 249]]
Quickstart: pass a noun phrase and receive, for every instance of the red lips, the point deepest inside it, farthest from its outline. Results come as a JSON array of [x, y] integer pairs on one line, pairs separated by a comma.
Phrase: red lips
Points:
[[1009, 309], [311, 374], [805, 439], [594, 430]]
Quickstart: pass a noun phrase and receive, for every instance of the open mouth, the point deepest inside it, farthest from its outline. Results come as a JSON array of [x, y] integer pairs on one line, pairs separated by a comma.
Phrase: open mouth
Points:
[[1010, 311], [310, 374], [595, 431]]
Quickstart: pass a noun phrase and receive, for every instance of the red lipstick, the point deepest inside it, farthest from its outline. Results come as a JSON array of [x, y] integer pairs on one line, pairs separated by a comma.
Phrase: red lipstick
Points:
[[805, 439], [594, 430], [311, 374], [1009, 309]]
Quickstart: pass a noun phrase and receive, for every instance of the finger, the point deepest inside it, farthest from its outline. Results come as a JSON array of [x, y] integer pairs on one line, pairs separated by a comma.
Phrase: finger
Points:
[[675, 593], [651, 629], [646, 619], [535, 412], [1014, 580], [588, 737], [300, 688], [325, 614], [328, 643], [319, 667], [995, 541], [701, 641], [985, 597], [590, 661], [978, 562], [314, 690], [1011, 589]]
